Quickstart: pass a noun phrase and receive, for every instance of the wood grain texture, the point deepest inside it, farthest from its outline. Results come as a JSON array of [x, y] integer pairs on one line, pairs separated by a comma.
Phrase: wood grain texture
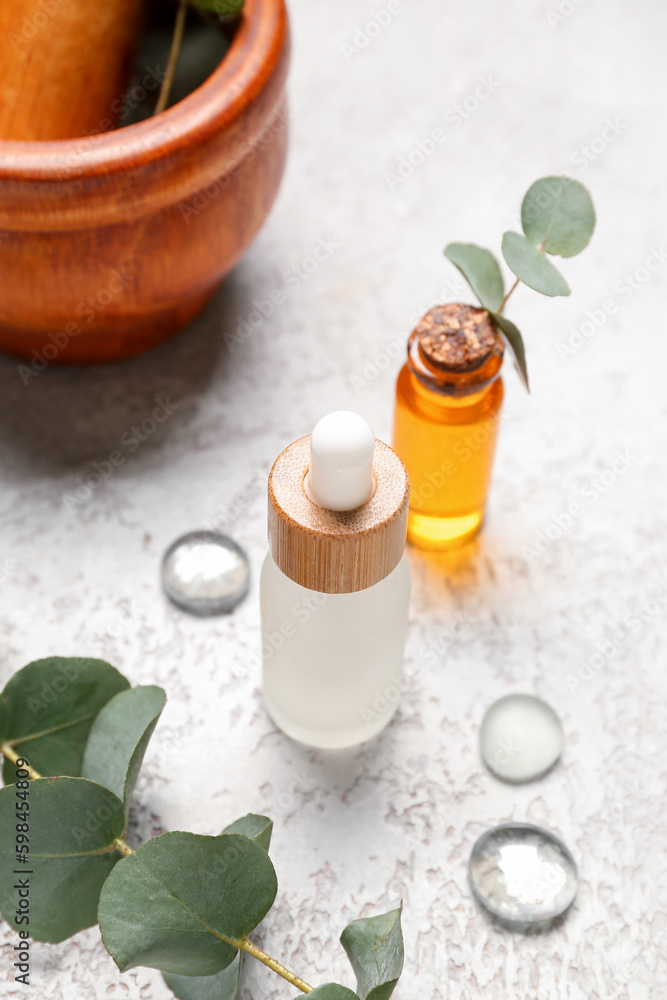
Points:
[[110, 244], [65, 65], [331, 551]]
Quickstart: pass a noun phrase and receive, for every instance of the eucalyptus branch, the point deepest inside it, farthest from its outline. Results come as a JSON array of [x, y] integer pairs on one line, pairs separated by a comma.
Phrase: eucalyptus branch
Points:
[[557, 218], [244, 943], [69, 828]]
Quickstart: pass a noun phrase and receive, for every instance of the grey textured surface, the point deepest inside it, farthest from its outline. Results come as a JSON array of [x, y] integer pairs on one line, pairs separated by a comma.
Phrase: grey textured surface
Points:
[[357, 831]]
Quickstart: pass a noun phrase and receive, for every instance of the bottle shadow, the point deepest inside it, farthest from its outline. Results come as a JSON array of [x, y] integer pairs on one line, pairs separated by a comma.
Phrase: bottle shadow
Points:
[[454, 571], [341, 770], [473, 569]]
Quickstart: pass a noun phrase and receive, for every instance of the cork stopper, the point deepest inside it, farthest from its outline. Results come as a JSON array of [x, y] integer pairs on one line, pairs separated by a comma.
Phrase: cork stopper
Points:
[[456, 338], [337, 551]]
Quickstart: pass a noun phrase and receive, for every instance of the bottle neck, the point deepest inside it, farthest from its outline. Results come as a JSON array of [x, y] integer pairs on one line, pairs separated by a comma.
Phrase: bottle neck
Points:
[[448, 386]]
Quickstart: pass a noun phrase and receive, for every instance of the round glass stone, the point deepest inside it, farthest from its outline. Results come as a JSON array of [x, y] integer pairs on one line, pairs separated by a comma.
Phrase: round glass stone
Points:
[[522, 874], [205, 573], [521, 738]]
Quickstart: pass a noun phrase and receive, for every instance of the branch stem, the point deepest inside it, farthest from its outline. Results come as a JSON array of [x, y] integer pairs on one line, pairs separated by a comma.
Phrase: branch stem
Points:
[[10, 753], [502, 304], [176, 41], [272, 964], [121, 846]]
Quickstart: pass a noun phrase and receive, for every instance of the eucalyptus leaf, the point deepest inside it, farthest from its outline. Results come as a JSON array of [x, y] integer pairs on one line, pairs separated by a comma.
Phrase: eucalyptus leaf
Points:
[[73, 824], [118, 739], [531, 266], [50, 706], [480, 269], [374, 946], [181, 900], [223, 986], [331, 991], [515, 340], [224, 8], [257, 828], [558, 212]]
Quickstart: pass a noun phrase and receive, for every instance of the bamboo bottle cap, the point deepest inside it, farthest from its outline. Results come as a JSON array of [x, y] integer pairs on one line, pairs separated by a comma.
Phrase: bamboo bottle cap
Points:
[[337, 551]]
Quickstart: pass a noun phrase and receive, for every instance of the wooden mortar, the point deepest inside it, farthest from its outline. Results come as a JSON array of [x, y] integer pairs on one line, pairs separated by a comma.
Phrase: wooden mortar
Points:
[[112, 243]]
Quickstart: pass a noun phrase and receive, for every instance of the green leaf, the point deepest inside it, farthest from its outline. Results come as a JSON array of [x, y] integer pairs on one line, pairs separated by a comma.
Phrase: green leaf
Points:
[[119, 737], [480, 269], [332, 991], [374, 946], [73, 823], [181, 901], [558, 212], [531, 266], [225, 8], [258, 828], [50, 706], [515, 341], [223, 986]]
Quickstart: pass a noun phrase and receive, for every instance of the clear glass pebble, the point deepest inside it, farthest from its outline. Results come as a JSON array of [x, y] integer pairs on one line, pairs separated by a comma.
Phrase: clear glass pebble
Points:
[[205, 573], [522, 874], [521, 738]]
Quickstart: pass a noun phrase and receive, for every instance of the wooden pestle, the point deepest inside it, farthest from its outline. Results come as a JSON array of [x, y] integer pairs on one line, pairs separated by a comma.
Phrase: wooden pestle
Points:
[[64, 65]]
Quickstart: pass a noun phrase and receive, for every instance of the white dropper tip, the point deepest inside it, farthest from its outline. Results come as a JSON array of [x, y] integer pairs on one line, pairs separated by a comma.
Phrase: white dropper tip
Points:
[[340, 474]]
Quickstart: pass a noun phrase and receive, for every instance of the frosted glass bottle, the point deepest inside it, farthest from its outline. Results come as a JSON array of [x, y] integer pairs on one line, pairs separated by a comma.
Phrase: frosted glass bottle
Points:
[[335, 587]]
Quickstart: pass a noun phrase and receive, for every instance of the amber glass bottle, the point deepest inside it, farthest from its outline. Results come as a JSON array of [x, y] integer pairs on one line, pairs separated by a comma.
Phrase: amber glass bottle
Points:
[[448, 402]]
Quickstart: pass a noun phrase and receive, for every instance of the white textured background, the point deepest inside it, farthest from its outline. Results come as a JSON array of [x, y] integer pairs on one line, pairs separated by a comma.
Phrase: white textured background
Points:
[[356, 831]]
